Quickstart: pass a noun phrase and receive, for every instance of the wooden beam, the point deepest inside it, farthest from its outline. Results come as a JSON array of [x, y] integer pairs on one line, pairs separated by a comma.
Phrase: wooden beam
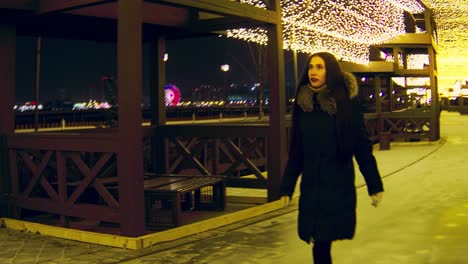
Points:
[[227, 8], [409, 40], [50, 6], [65, 142], [217, 24], [18, 4], [88, 211], [372, 66]]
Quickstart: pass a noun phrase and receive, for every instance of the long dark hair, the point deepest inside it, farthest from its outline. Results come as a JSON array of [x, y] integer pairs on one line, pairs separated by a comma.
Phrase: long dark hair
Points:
[[337, 86]]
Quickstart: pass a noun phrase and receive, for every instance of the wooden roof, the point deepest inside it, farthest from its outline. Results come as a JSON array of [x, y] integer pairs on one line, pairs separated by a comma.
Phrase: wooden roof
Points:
[[96, 19]]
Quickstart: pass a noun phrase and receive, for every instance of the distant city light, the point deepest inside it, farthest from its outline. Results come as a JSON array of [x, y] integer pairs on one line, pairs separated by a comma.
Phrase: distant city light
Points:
[[92, 104], [225, 67], [172, 95], [28, 106]]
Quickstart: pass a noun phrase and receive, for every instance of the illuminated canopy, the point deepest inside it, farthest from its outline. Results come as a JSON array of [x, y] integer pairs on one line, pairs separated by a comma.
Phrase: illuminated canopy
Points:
[[345, 27], [452, 31]]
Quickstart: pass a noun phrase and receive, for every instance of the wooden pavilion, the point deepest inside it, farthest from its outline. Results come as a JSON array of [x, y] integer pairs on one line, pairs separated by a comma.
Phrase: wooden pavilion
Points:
[[54, 172], [35, 166]]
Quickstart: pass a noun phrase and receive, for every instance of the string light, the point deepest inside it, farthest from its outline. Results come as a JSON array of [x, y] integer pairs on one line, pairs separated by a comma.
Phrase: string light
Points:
[[344, 27], [452, 33], [410, 6]]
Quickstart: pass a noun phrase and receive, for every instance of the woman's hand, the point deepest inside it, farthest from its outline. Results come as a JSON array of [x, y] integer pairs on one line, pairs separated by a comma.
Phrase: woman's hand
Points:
[[285, 201], [377, 199]]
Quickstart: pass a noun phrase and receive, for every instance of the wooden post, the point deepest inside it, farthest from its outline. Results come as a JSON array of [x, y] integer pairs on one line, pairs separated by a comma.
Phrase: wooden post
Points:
[[130, 153], [296, 75], [392, 95], [7, 78], [7, 115], [384, 136], [158, 107], [435, 104], [158, 81], [276, 79], [377, 91], [38, 81]]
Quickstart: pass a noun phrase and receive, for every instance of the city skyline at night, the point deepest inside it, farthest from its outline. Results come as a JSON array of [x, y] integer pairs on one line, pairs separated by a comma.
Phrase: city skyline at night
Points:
[[74, 68]]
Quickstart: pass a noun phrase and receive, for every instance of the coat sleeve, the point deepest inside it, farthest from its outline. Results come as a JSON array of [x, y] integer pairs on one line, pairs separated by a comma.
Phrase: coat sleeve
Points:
[[363, 154], [294, 165]]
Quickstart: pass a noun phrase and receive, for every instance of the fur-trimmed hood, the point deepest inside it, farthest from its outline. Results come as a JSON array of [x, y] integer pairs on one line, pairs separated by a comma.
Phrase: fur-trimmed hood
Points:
[[351, 84], [325, 99]]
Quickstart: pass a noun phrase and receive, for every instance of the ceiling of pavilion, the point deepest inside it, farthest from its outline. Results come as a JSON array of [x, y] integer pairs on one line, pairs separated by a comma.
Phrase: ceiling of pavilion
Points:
[[349, 27], [452, 29]]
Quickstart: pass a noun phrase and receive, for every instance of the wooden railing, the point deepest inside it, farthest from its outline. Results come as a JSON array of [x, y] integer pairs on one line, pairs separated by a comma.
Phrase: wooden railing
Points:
[[233, 150], [406, 125], [69, 174], [64, 174]]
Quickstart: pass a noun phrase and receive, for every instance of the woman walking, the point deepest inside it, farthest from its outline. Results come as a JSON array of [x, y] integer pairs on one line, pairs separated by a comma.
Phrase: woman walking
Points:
[[327, 131]]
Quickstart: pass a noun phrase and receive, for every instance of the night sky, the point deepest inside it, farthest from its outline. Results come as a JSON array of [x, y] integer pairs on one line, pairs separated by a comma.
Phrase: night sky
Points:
[[73, 68]]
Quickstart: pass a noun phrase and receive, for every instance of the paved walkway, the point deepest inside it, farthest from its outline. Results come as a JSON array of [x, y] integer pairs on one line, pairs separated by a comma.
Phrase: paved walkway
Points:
[[423, 219]]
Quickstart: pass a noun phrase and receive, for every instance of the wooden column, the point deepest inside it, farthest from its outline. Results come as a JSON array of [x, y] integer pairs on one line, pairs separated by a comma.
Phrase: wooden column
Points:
[[158, 81], [377, 90], [392, 95], [130, 154], [7, 101], [435, 104], [158, 107], [7, 78], [276, 81]]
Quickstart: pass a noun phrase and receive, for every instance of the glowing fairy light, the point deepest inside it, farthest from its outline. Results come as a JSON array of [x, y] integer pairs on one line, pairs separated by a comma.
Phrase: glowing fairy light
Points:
[[417, 61], [344, 27], [408, 5], [452, 33], [258, 35]]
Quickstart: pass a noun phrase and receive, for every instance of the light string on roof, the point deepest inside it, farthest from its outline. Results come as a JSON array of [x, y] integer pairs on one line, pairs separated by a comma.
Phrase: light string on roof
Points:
[[451, 19], [258, 35], [369, 25], [344, 27], [452, 34], [341, 47], [410, 6]]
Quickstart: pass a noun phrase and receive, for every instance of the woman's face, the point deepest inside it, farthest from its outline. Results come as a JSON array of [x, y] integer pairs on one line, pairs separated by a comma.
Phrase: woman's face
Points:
[[317, 72]]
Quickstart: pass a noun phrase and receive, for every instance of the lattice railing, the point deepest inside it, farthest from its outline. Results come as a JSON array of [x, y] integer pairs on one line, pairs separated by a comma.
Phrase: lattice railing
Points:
[[233, 151], [221, 156], [75, 175], [407, 125], [66, 175]]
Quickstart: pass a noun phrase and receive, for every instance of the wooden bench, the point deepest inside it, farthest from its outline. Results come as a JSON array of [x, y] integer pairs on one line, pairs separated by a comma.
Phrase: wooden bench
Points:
[[167, 196]]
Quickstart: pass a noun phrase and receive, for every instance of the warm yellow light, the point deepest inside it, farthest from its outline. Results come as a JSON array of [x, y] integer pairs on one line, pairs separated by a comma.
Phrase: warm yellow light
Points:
[[451, 23]]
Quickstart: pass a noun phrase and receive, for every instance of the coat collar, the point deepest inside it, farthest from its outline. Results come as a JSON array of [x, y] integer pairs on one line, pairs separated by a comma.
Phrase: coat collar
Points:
[[325, 98]]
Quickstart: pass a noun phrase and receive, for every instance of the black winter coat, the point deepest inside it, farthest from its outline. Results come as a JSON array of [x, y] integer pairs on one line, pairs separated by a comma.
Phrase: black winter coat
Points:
[[327, 203]]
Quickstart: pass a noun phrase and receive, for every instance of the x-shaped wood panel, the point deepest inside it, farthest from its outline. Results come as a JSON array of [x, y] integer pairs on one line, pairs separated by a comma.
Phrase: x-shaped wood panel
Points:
[[37, 174]]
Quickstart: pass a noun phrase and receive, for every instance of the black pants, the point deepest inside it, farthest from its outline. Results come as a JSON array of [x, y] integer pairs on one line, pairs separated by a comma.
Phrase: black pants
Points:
[[322, 252]]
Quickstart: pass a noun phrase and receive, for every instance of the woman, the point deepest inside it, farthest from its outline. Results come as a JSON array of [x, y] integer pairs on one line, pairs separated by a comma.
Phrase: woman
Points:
[[327, 131]]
